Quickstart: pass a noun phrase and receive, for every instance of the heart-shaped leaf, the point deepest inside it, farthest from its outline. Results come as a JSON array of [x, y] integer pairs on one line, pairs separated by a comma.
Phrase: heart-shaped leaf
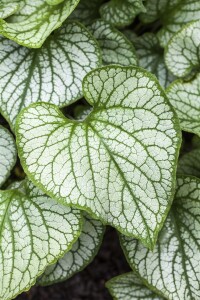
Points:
[[121, 12], [116, 48], [119, 163], [189, 163], [150, 56], [35, 232], [8, 154], [53, 73], [185, 98], [128, 287], [8, 8], [173, 266], [81, 254], [35, 21], [182, 52]]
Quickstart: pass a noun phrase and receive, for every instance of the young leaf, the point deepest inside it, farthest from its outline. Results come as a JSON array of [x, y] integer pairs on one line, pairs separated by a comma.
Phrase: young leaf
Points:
[[119, 163], [121, 12], [53, 73], [151, 57], [185, 97], [182, 52], [116, 48], [173, 266], [35, 232], [35, 21], [8, 8], [189, 163], [8, 154], [128, 287], [81, 254]]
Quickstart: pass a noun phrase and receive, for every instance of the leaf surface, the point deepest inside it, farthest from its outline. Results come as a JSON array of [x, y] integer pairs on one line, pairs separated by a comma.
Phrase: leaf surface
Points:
[[189, 163], [81, 254], [8, 154], [8, 8], [173, 267], [35, 231], [119, 163], [35, 21], [53, 73]]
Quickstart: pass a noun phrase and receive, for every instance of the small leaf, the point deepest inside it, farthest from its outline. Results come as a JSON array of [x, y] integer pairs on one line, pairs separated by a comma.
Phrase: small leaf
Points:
[[35, 232], [121, 12], [8, 154], [151, 57], [189, 163], [35, 21], [185, 98], [87, 11], [8, 8], [128, 287], [119, 163], [173, 266], [53, 73], [182, 52], [116, 48], [81, 254]]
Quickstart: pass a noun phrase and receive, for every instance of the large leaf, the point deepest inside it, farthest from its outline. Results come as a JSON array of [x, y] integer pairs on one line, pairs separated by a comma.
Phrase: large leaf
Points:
[[8, 8], [185, 97], [116, 48], [81, 254], [182, 52], [173, 266], [119, 163], [128, 287], [35, 21], [35, 231], [189, 163], [53, 73], [8, 154], [121, 12], [151, 57], [173, 14]]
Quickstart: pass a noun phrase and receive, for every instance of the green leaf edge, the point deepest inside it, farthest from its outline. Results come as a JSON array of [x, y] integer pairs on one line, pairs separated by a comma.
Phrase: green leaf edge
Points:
[[179, 136], [56, 258]]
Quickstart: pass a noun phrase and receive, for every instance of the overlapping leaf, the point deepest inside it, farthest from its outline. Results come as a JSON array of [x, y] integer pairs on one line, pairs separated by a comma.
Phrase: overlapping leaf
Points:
[[119, 163], [35, 21], [81, 254], [52, 74], [128, 287], [151, 57], [35, 232], [182, 53], [8, 8], [189, 163], [116, 48], [173, 266], [8, 154], [121, 12], [185, 97]]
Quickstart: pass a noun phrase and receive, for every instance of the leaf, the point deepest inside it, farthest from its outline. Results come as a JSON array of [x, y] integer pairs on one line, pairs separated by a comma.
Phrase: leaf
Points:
[[35, 22], [53, 73], [189, 163], [119, 163], [8, 154], [8, 8], [151, 57], [81, 254], [182, 52], [121, 12], [116, 48], [35, 231], [54, 2], [128, 286], [185, 98], [173, 15], [173, 267], [87, 11]]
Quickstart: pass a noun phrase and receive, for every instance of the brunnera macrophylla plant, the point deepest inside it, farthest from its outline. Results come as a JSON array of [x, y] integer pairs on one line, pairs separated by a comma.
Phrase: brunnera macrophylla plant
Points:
[[93, 98]]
